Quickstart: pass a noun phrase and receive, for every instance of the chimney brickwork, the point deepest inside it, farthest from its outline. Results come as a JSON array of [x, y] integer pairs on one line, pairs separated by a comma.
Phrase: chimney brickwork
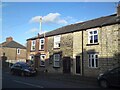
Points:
[[9, 39]]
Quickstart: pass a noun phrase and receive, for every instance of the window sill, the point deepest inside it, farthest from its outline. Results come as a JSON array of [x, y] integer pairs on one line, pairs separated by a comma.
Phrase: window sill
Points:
[[94, 67], [42, 66], [92, 44], [56, 48], [41, 50], [32, 50], [55, 67]]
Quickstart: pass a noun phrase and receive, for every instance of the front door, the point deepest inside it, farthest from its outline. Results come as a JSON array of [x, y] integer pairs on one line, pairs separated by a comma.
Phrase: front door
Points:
[[78, 63], [66, 65]]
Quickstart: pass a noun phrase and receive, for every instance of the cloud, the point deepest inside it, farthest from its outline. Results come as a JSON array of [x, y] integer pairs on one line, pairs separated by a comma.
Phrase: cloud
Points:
[[79, 22], [49, 18], [33, 30]]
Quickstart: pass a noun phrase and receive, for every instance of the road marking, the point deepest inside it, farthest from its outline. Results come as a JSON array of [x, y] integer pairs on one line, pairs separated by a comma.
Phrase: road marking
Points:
[[28, 84]]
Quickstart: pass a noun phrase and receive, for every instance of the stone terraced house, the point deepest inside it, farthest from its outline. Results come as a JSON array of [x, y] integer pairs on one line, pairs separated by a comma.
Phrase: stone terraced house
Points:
[[87, 48]]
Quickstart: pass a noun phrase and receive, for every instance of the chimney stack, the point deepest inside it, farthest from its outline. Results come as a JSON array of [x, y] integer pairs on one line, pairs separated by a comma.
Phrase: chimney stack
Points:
[[118, 9], [9, 39]]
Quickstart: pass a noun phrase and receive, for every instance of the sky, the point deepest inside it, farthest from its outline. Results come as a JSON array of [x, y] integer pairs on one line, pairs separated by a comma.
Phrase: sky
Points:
[[20, 20]]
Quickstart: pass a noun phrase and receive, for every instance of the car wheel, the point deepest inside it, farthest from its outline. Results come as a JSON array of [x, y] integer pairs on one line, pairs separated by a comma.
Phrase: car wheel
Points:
[[22, 74], [103, 83]]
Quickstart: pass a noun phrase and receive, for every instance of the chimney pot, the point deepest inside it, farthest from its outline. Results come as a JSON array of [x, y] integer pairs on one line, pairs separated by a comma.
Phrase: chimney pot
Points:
[[9, 39]]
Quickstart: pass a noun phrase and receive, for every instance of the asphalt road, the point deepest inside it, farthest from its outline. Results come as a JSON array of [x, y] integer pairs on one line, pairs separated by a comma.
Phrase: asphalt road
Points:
[[13, 81]]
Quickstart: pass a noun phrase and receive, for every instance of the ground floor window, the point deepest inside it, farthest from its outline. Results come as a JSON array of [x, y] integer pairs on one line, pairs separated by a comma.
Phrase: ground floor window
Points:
[[42, 60], [93, 60], [56, 60], [32, 57]]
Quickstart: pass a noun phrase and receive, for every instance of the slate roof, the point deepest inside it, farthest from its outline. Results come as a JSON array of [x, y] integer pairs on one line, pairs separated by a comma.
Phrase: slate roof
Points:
[[98, 22], [13, 44]]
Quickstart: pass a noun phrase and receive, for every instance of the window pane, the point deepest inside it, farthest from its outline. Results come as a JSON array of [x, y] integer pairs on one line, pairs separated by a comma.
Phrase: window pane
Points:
[[92, 62], [91, 32], [95, 38], [56, 60], [96, 56], [91, 39], [95, 32], [42, 46], [56, 64], [96, 62], [42, 62], [56, 41], [42, 41]]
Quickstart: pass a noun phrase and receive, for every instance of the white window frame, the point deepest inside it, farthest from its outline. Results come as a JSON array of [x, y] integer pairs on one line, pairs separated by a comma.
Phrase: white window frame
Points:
[[40, 48], [92, 60], [31, 57], [18, 51], [57, 41], [42, 59], [93, 35], [56, 60], [33, 44]]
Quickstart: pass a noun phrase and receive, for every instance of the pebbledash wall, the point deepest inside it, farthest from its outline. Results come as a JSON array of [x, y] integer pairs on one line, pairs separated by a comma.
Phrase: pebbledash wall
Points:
[[107, 49]]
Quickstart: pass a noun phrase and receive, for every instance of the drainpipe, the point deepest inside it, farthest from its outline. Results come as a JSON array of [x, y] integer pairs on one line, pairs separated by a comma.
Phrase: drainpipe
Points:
[[82, 56]]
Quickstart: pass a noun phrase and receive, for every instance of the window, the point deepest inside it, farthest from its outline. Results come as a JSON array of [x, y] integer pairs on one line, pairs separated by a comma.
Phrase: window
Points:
[[33, 45], [32, 57], [93, 36], [93, 60], [42, 60], [57, 41], [18, 50], [56, 60], [42, 44]]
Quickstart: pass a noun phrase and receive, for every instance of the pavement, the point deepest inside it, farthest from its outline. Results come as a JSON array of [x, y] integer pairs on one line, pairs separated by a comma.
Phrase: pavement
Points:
[[68, 77], [64, 77]]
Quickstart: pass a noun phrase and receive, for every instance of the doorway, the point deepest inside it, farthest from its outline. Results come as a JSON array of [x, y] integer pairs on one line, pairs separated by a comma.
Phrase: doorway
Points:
[[78, 65], [66, 65]]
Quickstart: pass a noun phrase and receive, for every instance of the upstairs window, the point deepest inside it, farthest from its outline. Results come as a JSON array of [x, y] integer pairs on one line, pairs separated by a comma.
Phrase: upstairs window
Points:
[[42, 60], [57, 41], [18, 50], [42, 42], [56, 60], [93, 60], [33, 45], [93, 36]]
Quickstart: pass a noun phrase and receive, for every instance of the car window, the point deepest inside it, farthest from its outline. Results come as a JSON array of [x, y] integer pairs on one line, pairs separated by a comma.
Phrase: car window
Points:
[[25, 65], [17, 65]]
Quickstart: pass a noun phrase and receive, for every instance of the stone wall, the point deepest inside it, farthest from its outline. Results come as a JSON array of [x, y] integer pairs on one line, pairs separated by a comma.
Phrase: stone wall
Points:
[[106, 48], [66, 49]]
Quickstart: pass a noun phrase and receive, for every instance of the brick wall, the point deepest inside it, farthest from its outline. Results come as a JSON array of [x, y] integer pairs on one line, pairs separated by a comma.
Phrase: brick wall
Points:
[[12, 55]]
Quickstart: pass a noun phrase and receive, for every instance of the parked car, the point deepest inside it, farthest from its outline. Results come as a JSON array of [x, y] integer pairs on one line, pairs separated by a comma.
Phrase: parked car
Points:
[[110, 78], [23, 69]]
